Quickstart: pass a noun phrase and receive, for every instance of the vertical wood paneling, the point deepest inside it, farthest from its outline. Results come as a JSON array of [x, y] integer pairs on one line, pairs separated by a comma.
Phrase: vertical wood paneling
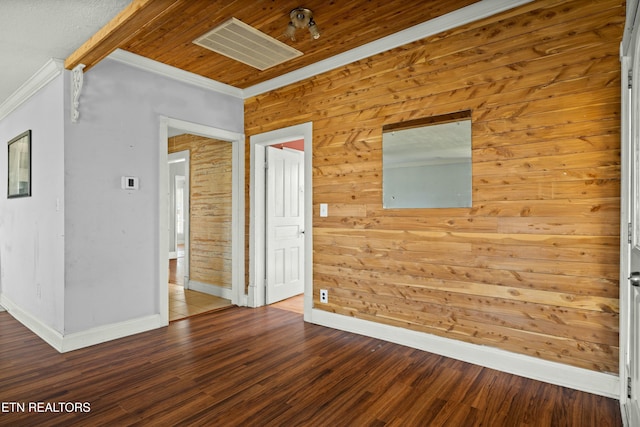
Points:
[[532, 266], [210, 204]]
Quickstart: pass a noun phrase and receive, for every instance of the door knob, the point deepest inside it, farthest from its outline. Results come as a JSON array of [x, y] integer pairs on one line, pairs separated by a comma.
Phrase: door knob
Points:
[[634, 278]]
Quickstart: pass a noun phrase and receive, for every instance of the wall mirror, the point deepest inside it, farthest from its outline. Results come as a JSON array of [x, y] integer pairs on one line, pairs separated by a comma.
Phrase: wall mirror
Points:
[[426, 163]]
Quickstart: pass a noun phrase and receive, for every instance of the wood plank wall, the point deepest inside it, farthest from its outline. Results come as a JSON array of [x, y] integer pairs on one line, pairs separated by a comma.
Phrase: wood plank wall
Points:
[[210, 204], [532, 267]]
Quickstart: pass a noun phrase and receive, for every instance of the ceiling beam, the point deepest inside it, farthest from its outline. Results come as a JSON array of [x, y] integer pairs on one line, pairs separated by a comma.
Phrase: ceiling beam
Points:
[[121, 29]]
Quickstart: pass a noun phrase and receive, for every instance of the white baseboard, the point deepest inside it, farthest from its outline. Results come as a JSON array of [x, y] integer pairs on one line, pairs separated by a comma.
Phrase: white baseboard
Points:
[[77, 340], [45, 332], [110, 332], [210, 289], [525, 366]]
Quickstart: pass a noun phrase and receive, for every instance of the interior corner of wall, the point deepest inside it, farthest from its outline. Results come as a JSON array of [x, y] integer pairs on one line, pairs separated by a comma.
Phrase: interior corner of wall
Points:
[[48, 334]]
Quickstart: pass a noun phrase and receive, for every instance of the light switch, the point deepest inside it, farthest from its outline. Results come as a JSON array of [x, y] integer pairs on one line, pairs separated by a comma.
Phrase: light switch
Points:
[[324, 210], [130, 183]]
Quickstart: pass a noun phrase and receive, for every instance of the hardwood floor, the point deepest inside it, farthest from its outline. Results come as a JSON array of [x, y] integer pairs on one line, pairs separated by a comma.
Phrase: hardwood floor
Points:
[[294, 304], [185, 302], [176, 269], [266, 367]]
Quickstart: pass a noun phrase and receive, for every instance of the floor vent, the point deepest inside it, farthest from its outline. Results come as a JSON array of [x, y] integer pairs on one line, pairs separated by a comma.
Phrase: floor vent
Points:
[[244, 43]]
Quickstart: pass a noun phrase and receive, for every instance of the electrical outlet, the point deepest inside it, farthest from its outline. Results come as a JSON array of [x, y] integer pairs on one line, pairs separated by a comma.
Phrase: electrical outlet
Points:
[[324, 296]]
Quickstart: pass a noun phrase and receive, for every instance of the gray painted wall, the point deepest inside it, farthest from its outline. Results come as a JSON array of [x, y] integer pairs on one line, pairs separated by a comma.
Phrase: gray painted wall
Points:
[[111, 253], [32, 228], [83, 253]]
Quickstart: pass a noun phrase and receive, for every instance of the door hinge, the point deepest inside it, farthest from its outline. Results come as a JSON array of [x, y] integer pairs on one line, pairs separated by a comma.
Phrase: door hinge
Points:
[[629, 233], [630, 79], [629, 387]]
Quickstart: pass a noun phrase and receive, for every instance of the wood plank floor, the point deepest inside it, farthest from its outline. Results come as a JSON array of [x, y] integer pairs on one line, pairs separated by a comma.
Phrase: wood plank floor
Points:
[[176, 270], [295, 304], [185, 302], [266, 367]]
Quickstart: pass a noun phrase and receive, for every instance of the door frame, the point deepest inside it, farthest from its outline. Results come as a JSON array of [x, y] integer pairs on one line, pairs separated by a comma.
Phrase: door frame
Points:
[[176, 157], [629, 52], [257, 185], [237, 140]]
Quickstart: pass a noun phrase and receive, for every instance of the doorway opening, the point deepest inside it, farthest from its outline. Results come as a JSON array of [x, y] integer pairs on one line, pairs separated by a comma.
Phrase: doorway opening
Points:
[[179, 191], [284, 221], [294, 138], [201, 230], [183, 301]]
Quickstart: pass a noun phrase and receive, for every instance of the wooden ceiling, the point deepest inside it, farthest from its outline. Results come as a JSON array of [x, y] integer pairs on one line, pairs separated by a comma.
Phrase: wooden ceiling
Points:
[[164, 30]]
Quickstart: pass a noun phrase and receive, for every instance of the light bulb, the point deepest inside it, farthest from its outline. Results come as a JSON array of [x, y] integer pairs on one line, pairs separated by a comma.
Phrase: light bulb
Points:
[[313, 29], [291, 31]]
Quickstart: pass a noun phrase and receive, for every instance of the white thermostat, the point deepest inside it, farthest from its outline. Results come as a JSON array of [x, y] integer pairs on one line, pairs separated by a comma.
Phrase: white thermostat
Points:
[[130, 183]]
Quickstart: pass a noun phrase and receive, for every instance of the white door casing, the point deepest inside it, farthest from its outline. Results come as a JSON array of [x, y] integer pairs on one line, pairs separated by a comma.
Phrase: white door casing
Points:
[[237, 208], [284, 224], [630, 220], [258, 144]]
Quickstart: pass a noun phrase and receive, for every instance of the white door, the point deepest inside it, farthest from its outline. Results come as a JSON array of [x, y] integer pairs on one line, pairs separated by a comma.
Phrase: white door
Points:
[[631, 289], [633, 363], [630, 250], [284, 224]]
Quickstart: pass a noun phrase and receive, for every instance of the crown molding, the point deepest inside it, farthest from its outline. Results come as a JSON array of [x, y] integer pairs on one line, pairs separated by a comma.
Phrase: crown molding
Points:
[[476, 11], [173, 73], [41, 78], [451, 20]]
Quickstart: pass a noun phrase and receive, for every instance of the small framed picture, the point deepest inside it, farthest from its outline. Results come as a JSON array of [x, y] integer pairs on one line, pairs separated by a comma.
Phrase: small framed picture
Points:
[[19, 179]]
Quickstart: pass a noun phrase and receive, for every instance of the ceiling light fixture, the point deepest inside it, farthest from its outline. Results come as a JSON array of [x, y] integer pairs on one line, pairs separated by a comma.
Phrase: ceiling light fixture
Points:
[[301, 17]]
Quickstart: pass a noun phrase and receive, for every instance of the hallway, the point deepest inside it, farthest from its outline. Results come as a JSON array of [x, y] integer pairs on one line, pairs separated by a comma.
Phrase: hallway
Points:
[[185, 303]]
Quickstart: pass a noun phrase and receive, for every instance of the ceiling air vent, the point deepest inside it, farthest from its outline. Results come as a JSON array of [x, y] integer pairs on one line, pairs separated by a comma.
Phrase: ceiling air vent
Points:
[[244, 43]]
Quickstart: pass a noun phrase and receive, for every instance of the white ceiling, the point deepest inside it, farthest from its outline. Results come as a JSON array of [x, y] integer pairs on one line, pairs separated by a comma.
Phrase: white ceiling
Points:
[[34, 31]]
